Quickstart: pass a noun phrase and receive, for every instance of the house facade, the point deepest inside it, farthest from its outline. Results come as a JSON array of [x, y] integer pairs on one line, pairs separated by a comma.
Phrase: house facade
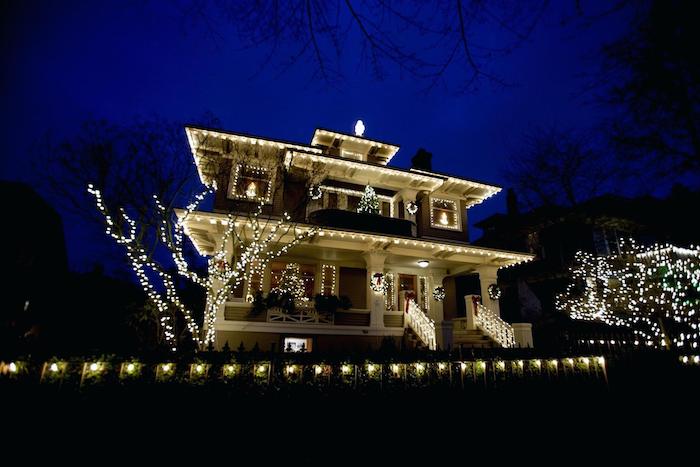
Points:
[[394, 269]]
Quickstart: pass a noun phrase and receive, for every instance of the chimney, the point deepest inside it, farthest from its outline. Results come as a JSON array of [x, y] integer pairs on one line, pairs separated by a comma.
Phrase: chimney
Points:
[[422, 160], [512, 202]]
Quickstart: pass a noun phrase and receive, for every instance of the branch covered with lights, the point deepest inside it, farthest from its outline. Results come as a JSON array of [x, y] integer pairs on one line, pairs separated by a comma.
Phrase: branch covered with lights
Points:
[[228, 268], [653, 291]]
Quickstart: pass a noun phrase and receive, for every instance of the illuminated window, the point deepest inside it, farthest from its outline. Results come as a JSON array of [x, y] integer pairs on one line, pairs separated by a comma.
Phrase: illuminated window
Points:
[[297, 344], [444, 214], [252, 183]]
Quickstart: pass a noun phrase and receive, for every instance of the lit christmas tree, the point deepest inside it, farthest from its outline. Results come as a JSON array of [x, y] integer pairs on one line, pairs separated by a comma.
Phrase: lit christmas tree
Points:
[[655, 292], [292, 283], [369, 203]]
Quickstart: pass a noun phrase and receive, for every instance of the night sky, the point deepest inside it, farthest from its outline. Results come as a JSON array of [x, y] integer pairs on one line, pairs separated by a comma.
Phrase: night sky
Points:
[[68, 61]]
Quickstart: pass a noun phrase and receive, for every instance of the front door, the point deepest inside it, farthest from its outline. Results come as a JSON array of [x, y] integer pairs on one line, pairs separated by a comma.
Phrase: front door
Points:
[[407, 283]]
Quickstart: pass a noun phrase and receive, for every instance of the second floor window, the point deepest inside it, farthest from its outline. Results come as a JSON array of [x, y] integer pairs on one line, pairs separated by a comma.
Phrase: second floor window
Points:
[[252, 183], [444, 214]]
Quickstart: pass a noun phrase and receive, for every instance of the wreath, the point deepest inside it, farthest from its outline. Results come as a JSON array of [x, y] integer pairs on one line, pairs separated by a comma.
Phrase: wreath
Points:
[[439, 293], [377, 283], [494, 292], [315, 192], [412, 207]]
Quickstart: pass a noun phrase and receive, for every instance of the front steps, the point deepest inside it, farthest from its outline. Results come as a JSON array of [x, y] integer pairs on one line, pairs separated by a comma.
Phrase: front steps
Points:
[[412, 341], [473, 338]]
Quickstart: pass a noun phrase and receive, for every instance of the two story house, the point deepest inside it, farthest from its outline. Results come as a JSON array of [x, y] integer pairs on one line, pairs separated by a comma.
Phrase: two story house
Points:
[[395, 268]]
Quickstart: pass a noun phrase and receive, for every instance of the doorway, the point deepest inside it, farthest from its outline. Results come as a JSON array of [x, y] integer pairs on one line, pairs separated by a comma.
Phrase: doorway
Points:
[[406, 283]]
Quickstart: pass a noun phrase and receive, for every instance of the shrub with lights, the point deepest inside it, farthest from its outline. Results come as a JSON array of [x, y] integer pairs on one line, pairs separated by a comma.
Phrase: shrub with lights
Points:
[[652, 291]]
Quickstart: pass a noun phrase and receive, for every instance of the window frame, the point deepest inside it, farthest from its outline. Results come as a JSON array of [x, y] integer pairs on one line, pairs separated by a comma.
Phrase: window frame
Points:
[[236, 174], [457, 227]]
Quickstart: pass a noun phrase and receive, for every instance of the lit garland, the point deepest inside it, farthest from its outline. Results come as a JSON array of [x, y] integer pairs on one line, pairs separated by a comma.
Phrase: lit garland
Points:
[[328, 276], [255, 253], [389, 296], [369, 203], [655, 292], [423, 289], [439, 293]]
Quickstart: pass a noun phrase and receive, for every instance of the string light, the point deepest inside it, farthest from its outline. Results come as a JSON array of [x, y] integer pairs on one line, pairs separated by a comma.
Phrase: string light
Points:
[[652, 291], [268, 241]]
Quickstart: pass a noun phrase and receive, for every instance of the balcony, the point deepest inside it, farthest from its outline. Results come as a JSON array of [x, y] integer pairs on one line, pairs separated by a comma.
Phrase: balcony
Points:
[[373, 223]]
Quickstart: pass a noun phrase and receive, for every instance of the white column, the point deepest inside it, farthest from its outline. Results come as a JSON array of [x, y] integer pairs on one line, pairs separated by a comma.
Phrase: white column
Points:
[[375, 300], [488, 275], [408, 196], [523, 334], [436, 311]]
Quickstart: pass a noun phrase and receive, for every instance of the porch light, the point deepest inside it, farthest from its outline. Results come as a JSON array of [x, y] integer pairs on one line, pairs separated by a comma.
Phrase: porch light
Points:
[[423, 263]]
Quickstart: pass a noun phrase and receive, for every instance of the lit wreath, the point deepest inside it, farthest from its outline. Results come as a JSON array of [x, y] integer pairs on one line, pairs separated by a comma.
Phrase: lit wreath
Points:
[[439, 293], [412, 207], [494, 292], [315, 192], [377, 283]]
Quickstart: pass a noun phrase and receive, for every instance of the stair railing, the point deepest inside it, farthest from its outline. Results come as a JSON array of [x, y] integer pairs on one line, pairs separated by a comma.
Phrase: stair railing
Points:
[[480, 317], [421, 324]]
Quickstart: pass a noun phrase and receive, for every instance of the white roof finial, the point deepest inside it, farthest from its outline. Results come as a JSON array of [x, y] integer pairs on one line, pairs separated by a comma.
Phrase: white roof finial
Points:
[[359, 128]]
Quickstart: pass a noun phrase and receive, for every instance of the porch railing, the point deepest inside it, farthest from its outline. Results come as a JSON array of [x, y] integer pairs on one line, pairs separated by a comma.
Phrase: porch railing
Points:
[[478, 316], [302, 314], [422, 325]]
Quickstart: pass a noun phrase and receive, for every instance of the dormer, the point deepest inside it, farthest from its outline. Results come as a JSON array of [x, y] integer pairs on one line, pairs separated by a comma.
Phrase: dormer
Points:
[[353, 147]]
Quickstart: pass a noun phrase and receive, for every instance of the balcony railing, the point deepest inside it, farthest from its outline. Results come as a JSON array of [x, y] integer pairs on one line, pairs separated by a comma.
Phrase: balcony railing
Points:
[[302, 315], [343, 219]]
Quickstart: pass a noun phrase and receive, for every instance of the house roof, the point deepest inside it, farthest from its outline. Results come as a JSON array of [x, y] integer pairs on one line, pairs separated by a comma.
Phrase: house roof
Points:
[[473, 191]]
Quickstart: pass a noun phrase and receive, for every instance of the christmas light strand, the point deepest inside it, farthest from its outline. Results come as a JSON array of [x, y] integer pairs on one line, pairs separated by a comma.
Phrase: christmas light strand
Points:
[[653, 291]]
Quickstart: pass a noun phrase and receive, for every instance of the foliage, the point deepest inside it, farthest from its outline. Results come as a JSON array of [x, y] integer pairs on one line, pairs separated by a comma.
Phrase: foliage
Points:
[[654, 74], [344, 302], [653, 291], [555, 167]]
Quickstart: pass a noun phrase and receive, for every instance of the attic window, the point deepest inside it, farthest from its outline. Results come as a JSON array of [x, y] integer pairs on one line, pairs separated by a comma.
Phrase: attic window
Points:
[[252, 183], [444, 214]]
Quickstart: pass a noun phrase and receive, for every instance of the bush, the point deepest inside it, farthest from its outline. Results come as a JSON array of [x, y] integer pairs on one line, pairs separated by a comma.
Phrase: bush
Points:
[[345, 302]]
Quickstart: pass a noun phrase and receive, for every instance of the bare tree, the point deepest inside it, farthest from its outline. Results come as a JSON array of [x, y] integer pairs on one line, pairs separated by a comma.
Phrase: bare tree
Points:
[[555, 167], [416, 38], [651, 76]]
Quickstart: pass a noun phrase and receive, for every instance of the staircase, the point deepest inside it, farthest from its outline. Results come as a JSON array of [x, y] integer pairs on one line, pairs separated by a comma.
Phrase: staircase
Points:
[[474, 338], [412, 341]]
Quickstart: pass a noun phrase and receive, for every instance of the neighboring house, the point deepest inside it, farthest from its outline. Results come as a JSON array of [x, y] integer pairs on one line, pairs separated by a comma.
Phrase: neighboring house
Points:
[[555, 234], [415, 245]]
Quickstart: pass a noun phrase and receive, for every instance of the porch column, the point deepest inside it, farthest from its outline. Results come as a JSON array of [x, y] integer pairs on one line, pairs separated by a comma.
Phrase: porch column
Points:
[[436, 308], [488, 275], [408, 196], [375, 300]]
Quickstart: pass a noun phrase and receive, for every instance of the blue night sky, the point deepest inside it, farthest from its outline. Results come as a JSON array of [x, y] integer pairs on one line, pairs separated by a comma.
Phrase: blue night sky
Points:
[[68, 61]]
